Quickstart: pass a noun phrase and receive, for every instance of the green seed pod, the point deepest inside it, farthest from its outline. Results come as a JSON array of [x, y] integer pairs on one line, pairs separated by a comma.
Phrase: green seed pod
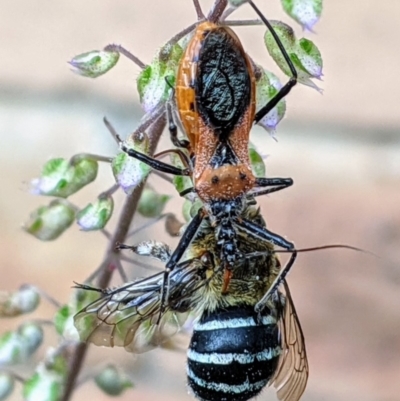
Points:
[[151, 203], [305, 12], [95, 215], [94, 63], [49, 222], [112, 381], [25, 300], [63, 178], [128, 171]]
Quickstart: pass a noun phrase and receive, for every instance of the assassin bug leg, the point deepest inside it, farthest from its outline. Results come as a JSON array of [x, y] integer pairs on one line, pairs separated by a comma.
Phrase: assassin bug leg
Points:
[[292, 81], [178, 253], [156, 164]]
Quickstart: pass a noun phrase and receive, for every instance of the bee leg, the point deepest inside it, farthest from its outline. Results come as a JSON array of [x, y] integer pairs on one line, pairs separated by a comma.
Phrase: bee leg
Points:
[[262, 233], [177, 254], [260, 305], [292, 81]]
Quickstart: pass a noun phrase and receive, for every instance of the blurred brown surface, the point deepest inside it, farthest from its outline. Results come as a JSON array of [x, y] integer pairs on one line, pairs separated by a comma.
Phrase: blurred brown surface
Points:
[[342, 149]]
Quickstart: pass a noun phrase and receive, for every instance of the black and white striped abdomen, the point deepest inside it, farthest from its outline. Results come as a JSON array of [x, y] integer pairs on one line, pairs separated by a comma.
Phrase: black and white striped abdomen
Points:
[[231, 355]]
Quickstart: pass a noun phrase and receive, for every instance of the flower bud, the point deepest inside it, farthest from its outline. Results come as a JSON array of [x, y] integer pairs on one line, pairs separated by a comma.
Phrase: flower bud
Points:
[[113, 381], [155, 82], [128, 171], [305, 12], [63, 178], [25, 300], [95, 216], [48, 381], [94, 63], [6, 385], [32, 336], [49, 222], [18, 346], [267, 86], [303, 53], [151, 203]]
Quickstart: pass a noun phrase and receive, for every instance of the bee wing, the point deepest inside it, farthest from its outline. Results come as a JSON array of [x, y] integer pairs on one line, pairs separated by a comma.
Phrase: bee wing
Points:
[[129, 316], [291, 375]]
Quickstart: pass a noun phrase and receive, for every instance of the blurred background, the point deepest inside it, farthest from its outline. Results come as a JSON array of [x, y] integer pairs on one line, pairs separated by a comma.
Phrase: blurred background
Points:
[[342, 149]]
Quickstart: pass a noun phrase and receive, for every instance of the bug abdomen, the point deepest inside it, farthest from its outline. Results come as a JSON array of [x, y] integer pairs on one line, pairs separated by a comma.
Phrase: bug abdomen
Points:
[[231, 356]]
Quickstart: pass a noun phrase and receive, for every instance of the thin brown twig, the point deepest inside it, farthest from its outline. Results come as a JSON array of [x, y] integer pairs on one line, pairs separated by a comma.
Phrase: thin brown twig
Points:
[[217, 10], [109, 264], [199, 11], [126, 53]]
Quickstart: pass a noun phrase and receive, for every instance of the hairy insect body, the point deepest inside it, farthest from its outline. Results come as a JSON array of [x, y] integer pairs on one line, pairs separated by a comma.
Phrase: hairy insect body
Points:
[[233, 354], [234, 351]]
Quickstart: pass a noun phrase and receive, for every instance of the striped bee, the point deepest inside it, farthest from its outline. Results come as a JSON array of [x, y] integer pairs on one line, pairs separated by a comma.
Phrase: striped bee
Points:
[[236, 349]]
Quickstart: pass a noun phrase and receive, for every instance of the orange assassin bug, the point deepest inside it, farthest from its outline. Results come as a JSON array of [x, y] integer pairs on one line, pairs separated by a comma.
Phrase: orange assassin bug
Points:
[[215, 98]]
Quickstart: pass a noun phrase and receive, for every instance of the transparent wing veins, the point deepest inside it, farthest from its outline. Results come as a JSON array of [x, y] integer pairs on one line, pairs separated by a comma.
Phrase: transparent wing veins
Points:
[[127, 316], [291, 376]]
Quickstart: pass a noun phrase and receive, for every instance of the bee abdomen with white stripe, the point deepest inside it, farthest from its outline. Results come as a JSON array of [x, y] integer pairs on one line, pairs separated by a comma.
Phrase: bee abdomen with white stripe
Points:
[[232, 354]]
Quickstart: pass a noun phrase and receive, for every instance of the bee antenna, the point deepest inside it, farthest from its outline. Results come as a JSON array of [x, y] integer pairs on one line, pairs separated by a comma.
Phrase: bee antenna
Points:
[[323, 247]]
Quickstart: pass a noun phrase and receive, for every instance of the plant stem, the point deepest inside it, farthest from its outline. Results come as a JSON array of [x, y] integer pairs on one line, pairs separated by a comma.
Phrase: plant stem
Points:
[[110, 261]]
